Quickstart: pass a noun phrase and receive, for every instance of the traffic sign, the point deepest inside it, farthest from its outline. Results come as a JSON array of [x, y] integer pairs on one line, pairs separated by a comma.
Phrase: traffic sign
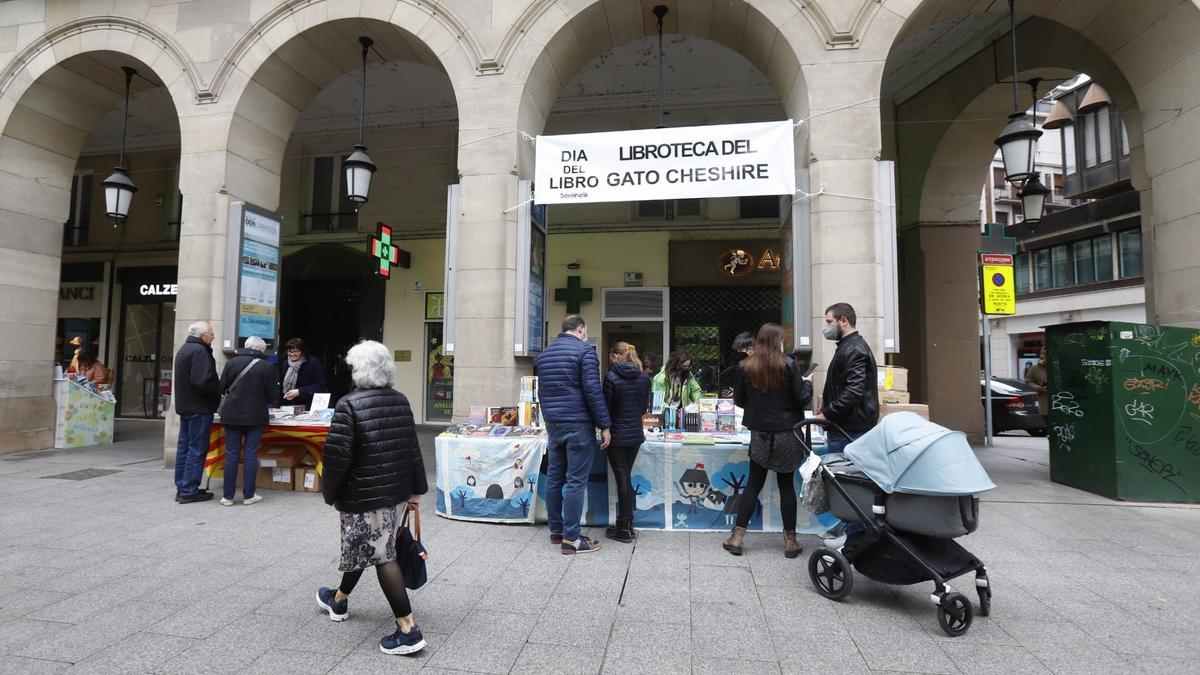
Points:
[[998, 294]]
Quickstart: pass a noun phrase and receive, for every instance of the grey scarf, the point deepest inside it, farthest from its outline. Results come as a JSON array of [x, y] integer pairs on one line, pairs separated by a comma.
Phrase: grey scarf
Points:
[[292, 374]]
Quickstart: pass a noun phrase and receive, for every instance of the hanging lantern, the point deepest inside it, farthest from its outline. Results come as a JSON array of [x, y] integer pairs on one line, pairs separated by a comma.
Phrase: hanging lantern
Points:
[[1018, 148], [358, 168], [118, 193], [1033, 201]]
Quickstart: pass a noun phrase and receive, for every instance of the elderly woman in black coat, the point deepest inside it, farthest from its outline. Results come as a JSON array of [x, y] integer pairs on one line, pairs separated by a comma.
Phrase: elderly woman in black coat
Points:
[[627, 394], [372, 464]]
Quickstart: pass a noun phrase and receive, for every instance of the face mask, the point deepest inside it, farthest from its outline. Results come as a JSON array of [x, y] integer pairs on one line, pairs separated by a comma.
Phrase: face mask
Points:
[[831, 331]]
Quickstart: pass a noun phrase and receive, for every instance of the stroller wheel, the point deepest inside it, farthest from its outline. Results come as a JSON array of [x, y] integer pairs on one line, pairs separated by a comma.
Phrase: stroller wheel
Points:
[[830, 573], [985, 601], [955, 614]]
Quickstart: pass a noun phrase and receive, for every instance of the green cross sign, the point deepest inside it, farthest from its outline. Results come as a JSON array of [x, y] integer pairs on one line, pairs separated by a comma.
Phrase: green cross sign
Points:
[[573, 295], [382, 249], [995, 241]]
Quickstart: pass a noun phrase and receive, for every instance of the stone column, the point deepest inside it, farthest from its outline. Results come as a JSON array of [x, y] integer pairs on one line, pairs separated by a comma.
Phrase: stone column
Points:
[[940, 327]]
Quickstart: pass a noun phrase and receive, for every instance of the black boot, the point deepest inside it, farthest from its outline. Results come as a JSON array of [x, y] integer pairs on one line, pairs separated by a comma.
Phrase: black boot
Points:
[[622, 531]]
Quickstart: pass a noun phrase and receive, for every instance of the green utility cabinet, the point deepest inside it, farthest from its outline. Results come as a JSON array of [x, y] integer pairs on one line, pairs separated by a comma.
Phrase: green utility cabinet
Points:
[[1124, 418]]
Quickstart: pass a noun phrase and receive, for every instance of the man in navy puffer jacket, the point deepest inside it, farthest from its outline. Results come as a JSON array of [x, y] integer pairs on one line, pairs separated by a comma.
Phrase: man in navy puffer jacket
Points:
[[573, 406]]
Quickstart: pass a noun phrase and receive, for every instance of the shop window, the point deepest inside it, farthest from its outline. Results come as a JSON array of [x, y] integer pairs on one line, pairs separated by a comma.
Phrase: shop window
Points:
[[669, 209], [329, 210], [1129, 246], [75, 230], [763, 206], [1021, 273], [1068, 140]]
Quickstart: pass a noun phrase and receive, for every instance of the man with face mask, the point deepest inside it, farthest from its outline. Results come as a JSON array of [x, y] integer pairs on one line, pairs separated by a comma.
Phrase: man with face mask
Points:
[[849, 399]]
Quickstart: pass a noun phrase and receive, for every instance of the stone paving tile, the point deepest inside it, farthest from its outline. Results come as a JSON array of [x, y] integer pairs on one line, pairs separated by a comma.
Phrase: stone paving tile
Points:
[[1081, 584], [486, 641], [138, 653], [552, 659]]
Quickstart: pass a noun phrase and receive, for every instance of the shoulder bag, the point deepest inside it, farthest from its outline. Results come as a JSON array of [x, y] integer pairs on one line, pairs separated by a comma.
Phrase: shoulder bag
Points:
[[225, 396], [410, 552]]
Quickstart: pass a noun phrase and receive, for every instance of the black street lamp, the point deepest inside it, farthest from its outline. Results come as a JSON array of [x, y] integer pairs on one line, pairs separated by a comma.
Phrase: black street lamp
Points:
[[1018, 141], [660, 11], [1033, 201], [118, 188], [358, 166]]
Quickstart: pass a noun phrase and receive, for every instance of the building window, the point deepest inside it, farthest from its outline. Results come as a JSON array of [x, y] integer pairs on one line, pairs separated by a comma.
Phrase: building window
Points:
[[671, 209], [1104, 131], [1089, 140], [329, 210], [1002, 218], [1060, 267], [1124, 139], [1102, 254], [1041, 270], [1068, 136], [1093, 261], [75, 230], [1021, 273], [1129, 245], [765, 206]]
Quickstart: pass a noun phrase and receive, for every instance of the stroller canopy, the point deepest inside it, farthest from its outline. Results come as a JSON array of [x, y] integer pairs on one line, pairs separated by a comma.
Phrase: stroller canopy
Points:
[[905, 453]]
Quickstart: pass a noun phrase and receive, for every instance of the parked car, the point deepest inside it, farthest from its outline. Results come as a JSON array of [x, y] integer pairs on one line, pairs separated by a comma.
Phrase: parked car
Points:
[[1014, 407]]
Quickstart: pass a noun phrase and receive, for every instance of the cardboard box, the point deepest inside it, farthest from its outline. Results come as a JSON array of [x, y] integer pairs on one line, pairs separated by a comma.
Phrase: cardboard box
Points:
[[889, 397], [893, 378], [307, 480], [282, 455], [919, 408], [274, 478]]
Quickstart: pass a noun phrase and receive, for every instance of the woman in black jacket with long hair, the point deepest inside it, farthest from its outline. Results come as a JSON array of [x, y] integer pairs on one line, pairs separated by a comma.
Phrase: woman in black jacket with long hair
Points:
[[373, 463], [774, 395], [627, 394]]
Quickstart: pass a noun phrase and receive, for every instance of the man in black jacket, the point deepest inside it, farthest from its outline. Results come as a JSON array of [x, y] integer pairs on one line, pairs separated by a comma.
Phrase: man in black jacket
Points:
[[850, 399], [197, 393]]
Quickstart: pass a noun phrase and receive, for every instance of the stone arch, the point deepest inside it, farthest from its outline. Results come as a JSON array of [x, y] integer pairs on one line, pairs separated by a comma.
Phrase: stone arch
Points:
[[555, 44], [279, 71], [1154, 49], [51, 104]]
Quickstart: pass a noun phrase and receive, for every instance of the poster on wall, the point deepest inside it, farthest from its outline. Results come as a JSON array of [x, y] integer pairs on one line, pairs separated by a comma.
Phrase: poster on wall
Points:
[[529, 334], [720, 160], [254, 299]]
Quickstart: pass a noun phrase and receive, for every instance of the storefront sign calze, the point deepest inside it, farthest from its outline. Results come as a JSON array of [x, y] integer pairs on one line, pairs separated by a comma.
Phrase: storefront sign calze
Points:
[[727, 160]]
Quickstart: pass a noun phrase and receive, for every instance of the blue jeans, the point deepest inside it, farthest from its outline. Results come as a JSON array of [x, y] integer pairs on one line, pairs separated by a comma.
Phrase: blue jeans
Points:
[[190, 452], [570, 450], [238, 439]]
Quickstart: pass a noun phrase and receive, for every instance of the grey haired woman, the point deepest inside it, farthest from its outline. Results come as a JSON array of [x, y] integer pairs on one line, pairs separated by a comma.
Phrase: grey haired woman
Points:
[[372, 464]]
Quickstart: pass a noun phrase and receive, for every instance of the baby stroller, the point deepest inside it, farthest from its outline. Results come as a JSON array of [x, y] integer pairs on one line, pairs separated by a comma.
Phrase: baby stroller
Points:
[[913, 486]]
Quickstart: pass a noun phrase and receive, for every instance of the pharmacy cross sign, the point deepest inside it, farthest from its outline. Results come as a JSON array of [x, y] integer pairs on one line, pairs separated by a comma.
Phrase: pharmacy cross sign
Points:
[[383, 251], [574, 294]]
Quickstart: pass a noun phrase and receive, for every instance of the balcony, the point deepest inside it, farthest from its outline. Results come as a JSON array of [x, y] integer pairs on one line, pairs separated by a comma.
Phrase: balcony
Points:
[[1005, 194]]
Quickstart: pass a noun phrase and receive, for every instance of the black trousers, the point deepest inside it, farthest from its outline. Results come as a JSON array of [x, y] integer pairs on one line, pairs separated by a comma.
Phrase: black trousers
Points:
[[787, 496], [391, 580], [621, 461]]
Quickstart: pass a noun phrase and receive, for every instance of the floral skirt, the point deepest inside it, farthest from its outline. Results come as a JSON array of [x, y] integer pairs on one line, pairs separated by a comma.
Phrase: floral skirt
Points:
[[368, 539]]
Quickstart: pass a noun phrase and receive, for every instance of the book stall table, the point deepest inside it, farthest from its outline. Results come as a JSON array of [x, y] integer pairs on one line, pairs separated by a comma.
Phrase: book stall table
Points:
[[678, 486], [289, 457]]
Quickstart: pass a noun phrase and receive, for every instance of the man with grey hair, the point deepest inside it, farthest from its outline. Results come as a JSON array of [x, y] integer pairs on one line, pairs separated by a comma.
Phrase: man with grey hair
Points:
[[249, 383], [197, 393]]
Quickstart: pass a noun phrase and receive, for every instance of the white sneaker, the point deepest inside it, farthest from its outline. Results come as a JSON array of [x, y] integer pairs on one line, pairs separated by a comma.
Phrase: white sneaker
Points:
[[253, 500], [836, 542], [226, 502]]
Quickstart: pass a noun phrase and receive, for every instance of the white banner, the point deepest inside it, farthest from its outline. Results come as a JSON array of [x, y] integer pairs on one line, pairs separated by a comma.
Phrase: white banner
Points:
[[727, 160]]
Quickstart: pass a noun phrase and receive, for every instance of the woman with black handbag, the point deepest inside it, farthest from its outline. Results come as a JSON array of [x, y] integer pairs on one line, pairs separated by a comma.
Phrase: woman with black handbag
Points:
[[372, 464], [774, 394]]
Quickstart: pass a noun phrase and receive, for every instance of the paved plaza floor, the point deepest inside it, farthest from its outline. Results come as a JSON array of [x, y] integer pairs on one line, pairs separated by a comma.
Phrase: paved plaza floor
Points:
[[109, 574]]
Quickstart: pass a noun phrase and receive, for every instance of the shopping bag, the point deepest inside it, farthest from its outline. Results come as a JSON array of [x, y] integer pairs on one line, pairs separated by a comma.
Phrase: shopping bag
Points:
[[410, 552]]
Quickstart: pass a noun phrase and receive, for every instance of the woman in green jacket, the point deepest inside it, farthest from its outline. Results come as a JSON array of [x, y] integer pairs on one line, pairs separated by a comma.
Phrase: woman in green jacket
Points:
[[676, 381]]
